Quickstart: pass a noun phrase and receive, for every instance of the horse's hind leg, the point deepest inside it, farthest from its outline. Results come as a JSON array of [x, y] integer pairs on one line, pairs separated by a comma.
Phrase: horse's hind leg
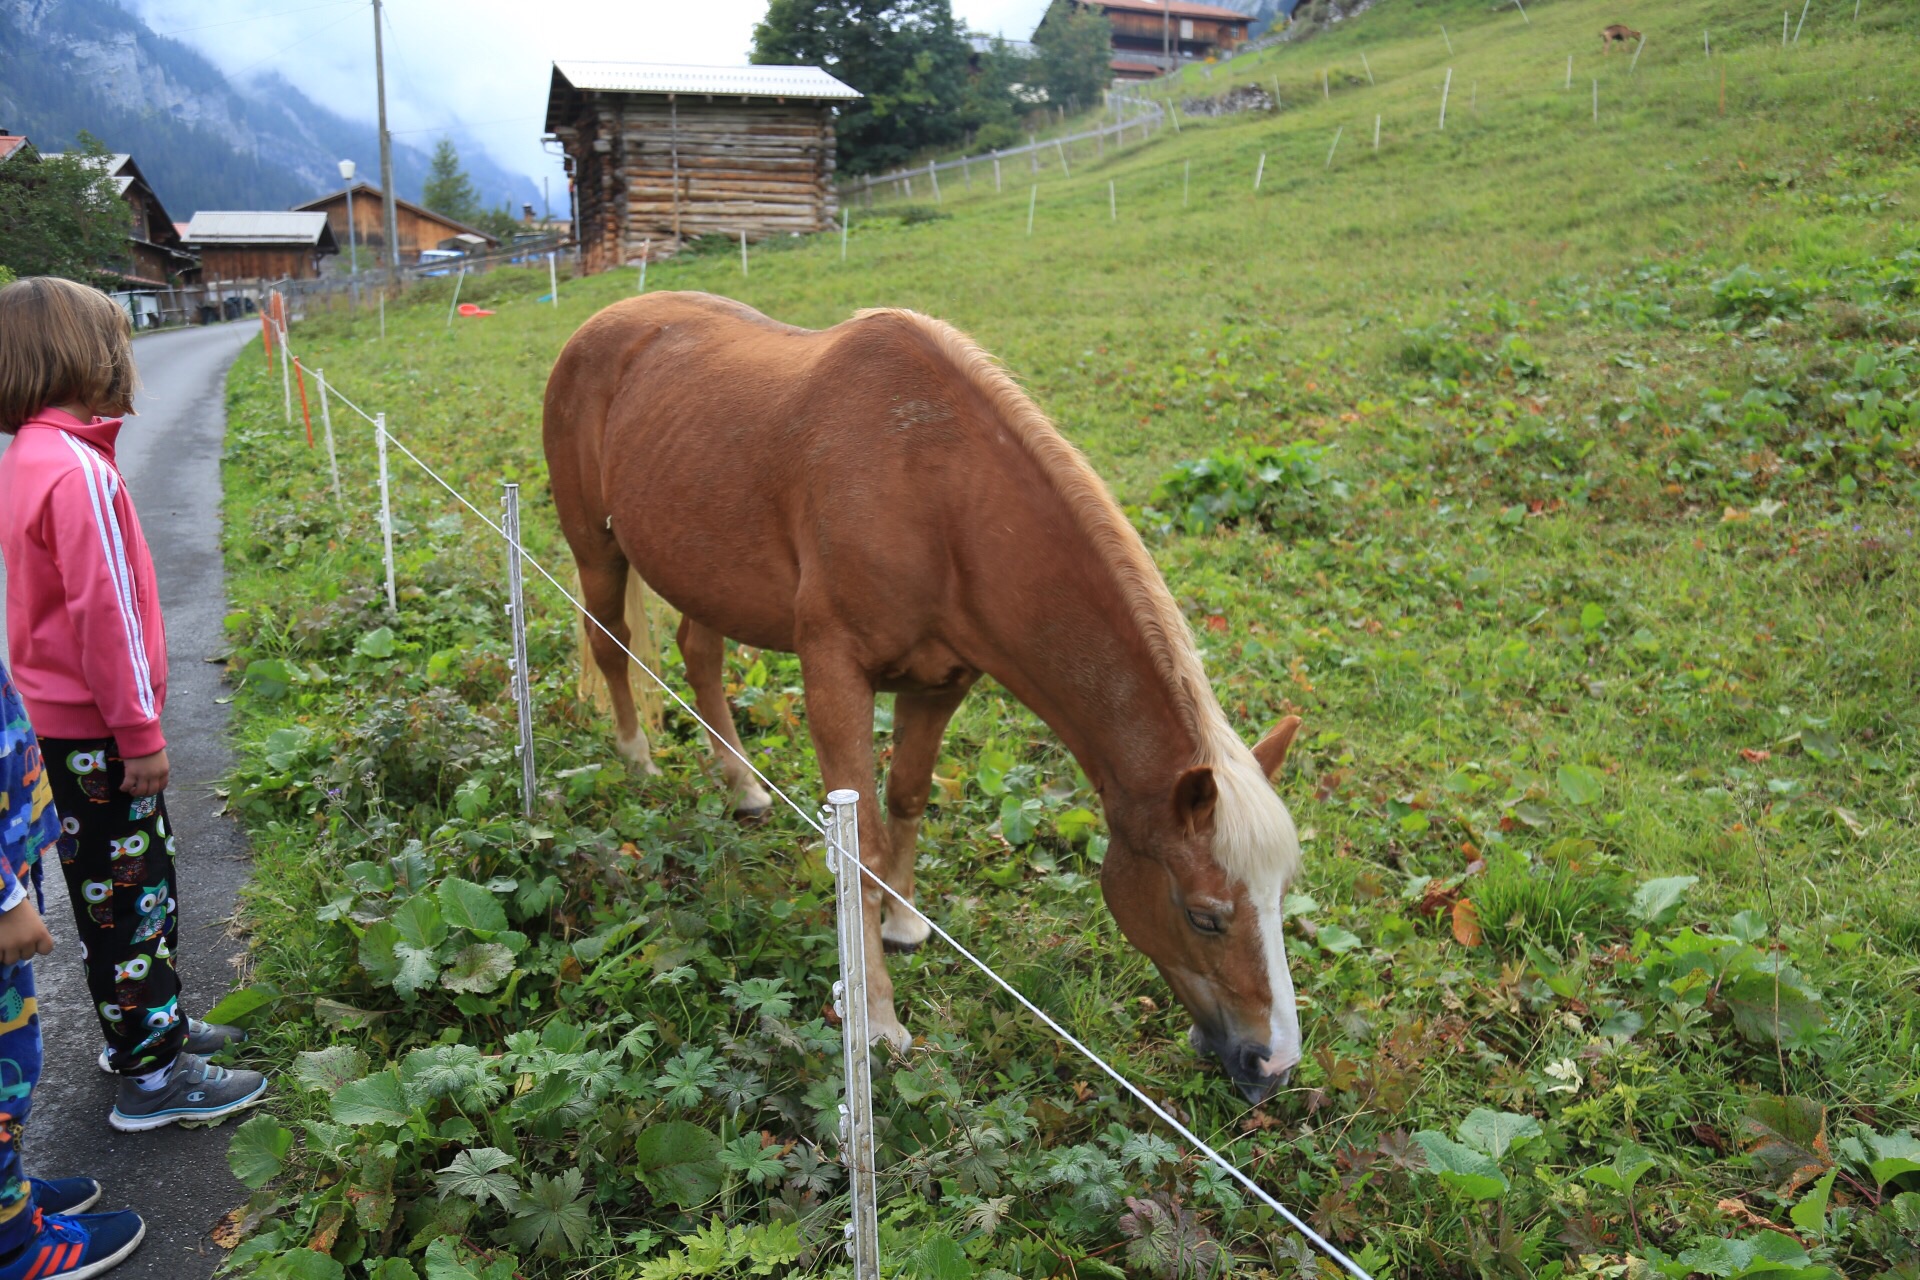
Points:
[[603, 589], [919, 723], [705, 651]]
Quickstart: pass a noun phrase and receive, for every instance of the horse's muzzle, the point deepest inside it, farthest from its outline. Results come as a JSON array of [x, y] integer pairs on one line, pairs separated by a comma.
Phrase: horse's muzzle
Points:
[[1246, 1064]]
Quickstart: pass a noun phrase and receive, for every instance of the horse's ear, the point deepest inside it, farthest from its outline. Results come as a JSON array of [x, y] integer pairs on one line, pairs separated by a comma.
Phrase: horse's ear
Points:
[[1194, 797], [1271, 751]]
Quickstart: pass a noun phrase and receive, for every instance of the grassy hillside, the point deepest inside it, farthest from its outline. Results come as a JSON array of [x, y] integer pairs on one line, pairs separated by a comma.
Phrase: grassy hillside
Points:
[[1562, 475]]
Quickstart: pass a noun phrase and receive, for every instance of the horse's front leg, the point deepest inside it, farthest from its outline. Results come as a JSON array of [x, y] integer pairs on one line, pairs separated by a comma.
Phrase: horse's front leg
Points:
[[840, 719], [919, 723]]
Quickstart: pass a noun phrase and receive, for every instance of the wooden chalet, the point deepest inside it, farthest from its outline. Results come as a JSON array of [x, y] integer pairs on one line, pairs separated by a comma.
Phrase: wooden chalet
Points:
[[665, 153], [418, 228], [1151, 38], [268, 245], [156, 258]]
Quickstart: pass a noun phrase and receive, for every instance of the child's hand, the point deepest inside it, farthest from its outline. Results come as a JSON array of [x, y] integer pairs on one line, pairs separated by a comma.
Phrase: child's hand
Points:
[[23, 934], [146, 775]]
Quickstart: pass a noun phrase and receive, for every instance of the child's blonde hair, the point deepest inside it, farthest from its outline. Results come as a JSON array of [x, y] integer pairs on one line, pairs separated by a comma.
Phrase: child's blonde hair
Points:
[[62, 343]]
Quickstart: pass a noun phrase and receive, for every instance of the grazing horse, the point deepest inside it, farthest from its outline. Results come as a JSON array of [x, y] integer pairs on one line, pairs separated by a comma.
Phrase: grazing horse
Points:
[[1618, 33], [881, 499]]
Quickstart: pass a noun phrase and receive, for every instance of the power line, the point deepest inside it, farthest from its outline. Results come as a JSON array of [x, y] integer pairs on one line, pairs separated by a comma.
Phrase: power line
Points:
[[254, 17], [288, 48]]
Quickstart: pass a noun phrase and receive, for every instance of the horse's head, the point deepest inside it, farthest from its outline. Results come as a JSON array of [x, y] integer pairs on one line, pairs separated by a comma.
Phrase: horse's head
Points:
[[1198, 887]]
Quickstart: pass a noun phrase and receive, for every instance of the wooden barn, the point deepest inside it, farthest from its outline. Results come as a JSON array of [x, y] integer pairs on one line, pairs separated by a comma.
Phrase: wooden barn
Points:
[[268, 245], [155, 259], [1155, 36], [418, 227], [665, 153]]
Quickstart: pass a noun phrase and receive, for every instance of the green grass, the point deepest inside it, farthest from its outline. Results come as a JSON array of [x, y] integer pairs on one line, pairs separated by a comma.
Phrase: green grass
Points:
[[1584, 545]]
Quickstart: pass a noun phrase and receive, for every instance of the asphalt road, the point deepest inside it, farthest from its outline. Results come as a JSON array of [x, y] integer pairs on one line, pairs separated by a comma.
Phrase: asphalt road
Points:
[[177, 1178]]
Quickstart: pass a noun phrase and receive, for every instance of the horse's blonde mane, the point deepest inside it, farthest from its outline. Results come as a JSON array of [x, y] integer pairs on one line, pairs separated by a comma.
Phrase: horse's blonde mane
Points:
[[1254, 838]]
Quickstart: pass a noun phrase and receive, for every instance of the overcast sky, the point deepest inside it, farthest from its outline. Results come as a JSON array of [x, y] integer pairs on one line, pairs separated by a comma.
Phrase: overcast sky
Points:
[[483, 64]]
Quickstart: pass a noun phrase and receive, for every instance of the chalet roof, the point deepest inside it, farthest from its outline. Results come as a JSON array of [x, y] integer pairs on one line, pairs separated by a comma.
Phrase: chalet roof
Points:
[[12, 142], [118, 165], [666, 77], [368, 190], [1175, 8], [266, 227]]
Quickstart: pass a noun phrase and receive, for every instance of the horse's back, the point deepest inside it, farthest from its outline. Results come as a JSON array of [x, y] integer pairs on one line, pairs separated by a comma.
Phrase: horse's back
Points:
[[730, 453]]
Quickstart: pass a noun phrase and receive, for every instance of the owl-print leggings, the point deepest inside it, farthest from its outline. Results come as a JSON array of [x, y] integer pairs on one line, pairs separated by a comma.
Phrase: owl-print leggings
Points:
[[117, 854]]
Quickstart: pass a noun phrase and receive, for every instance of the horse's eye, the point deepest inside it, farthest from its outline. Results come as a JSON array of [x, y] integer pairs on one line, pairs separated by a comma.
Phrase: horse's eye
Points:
[[1204, 923]]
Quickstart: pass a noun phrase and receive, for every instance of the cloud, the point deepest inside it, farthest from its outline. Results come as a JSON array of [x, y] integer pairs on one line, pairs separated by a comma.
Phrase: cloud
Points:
[[478, 67]]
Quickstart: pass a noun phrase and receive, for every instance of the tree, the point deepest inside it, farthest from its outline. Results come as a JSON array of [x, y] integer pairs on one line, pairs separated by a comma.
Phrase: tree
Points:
[[905, 56], [1076, 45], [449, 191], [64, 216], [993, 105]]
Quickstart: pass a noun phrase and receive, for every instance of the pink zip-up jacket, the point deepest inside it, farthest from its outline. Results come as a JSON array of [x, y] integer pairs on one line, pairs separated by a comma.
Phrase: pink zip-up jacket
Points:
[[83, 615]]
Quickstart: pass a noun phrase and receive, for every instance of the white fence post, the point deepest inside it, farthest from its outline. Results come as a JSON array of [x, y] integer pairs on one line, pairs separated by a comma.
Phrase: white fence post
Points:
[[553, 277], [455, 304], [286, 377], [850, 998], [517, 614], [386, 506], [996, 171], [1032, 197], [326, 429], [1336, 145], [934, 178], [646, 252], [743, 251], [845, 221], [1445, 91], [1260, 172]]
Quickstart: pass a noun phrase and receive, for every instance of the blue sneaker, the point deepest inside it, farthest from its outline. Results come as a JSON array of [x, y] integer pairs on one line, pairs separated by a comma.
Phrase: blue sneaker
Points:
[[196, 1093], [203, 1038], [64, 1195], [73, 1248]]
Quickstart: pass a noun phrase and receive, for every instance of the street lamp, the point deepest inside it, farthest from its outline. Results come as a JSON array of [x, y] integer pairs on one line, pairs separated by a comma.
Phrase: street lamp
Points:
[[353, 239]]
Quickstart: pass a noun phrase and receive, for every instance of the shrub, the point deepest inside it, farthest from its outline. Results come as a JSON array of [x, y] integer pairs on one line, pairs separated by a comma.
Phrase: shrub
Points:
[[1272, 487]]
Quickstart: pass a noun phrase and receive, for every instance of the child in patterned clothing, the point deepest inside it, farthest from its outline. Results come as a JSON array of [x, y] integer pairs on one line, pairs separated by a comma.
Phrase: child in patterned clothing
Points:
[[90, 652], [43, 1234]]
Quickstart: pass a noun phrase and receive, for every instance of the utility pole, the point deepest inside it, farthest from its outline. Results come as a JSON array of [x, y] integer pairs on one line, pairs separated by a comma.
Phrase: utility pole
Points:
[[386, 154]]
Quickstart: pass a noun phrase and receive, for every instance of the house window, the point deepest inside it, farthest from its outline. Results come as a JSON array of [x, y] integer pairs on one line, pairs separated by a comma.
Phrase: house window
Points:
[[1186, 28]]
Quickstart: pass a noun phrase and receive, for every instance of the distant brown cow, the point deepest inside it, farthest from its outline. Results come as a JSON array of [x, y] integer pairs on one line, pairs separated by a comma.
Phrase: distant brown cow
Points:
[[1618, 33]]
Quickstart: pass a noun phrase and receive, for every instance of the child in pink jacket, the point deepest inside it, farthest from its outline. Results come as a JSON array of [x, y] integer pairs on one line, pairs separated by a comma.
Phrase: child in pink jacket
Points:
[[89, 655]]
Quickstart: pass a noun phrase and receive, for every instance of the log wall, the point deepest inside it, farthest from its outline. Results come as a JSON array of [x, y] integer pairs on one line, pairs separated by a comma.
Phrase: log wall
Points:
[[673, 168]]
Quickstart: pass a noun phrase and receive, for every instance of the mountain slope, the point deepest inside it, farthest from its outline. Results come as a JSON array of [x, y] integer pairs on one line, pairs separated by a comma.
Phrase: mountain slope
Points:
[[204, 143]]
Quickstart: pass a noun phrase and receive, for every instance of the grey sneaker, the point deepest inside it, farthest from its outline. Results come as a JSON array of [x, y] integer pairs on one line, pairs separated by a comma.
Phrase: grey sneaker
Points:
[[197, 1093], [203, 1038]]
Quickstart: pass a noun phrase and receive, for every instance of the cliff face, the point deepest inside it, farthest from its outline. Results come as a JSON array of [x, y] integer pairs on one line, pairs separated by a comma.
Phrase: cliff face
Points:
[[203, 141]]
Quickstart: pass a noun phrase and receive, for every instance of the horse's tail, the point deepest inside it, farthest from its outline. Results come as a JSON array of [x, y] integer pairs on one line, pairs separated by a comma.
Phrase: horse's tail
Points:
[[591, 686]]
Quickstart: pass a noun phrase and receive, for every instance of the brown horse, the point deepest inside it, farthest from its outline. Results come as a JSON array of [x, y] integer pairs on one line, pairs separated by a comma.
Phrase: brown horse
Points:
[[882, 500], [1618, 33]]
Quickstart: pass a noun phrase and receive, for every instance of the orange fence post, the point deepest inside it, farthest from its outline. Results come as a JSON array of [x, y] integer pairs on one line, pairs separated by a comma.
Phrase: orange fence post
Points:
[[305, 413]]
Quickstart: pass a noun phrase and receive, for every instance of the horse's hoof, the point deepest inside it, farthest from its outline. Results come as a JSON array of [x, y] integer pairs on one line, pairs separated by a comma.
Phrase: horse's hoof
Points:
[[902, 932], [753, 817]]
